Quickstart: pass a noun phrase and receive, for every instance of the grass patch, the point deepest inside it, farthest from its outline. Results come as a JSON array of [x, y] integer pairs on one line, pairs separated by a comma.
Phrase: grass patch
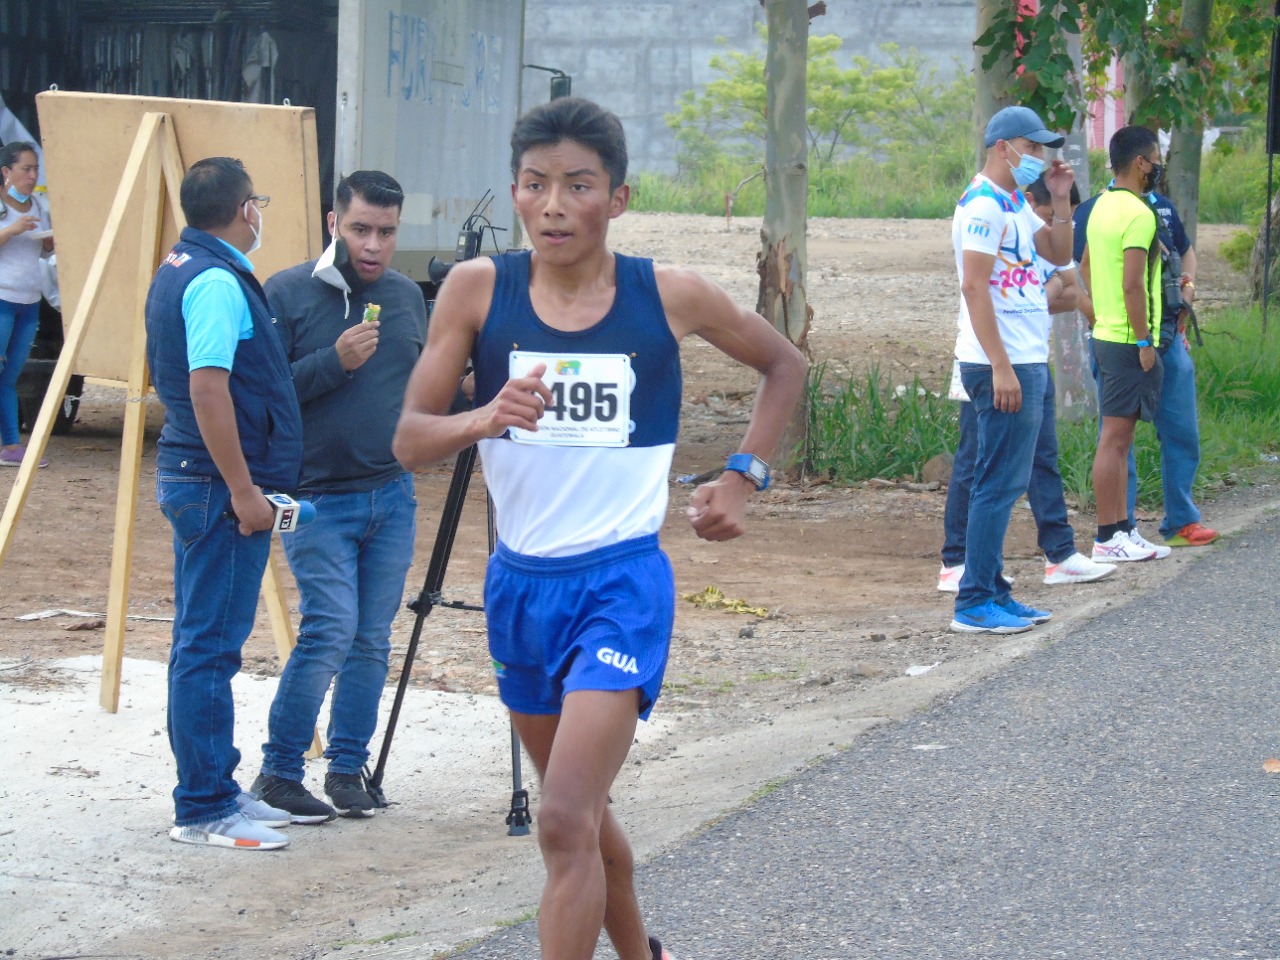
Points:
[[863, 427]]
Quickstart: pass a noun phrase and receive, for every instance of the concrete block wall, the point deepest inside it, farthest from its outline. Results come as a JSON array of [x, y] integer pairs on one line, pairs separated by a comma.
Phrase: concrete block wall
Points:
[[637, 56]]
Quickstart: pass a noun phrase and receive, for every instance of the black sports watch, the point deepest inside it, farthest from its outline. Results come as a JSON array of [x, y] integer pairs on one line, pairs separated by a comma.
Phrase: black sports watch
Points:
[[751, 467]]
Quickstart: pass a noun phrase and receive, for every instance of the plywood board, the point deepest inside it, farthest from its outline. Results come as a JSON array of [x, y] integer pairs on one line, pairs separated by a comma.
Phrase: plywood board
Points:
[[87, 138]]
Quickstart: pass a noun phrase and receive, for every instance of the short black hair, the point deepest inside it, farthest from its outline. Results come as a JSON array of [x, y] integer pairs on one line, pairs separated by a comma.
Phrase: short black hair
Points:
[[1038, 192], [1129, 143], [579, 120], [12, 150], [213, 191], [374, 187]]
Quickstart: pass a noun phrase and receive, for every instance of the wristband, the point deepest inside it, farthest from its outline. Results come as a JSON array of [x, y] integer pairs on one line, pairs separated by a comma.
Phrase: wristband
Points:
[[1144, 343], [1058, 219]]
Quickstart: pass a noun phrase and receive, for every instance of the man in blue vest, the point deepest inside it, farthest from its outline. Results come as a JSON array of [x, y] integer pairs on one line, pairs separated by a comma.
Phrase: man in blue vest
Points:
[[232, 430]]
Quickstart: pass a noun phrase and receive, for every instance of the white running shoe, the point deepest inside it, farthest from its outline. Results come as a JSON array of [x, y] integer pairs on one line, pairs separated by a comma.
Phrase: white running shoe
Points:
[[1077, 568], [949, 578], [1160, 551], [1120, 549]]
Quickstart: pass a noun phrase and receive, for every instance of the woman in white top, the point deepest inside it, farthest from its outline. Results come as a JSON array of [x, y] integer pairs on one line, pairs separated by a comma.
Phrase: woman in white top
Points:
[[24, 238]]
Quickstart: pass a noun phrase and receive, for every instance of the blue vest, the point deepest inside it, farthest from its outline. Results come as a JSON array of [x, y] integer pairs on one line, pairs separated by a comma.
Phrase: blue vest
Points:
[[261, 381]]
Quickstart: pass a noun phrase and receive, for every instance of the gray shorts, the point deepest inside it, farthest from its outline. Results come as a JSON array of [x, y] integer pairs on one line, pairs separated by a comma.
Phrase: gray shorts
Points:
[[1124, 388]]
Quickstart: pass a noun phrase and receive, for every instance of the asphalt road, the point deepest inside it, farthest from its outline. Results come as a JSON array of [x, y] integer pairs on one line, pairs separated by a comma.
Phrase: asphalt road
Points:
[[1105, 797]]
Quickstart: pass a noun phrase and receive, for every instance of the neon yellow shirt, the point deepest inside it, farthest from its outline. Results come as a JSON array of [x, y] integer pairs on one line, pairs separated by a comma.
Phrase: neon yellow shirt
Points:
[[1121, 221]]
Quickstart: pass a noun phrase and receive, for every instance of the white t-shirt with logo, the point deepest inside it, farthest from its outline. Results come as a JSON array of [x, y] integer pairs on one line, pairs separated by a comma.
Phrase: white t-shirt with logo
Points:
[[992, 221]]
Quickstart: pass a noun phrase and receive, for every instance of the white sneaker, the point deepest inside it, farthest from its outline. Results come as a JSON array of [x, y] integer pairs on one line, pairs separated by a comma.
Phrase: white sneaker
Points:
[[1160, 551], [949, 578], [235, 830], [1077, 568], [1120, 549]]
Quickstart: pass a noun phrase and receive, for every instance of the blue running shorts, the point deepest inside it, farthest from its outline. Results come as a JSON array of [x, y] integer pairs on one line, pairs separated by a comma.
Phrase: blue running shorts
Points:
[[599, 620]]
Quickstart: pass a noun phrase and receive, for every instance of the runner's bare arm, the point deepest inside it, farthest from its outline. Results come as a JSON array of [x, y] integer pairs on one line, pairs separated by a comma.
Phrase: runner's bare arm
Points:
[[427, 432], [696, 305]]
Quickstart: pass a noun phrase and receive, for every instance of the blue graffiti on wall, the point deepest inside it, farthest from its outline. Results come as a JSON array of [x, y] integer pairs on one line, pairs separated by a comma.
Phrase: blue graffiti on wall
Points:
[[410, 46], [412, 67]]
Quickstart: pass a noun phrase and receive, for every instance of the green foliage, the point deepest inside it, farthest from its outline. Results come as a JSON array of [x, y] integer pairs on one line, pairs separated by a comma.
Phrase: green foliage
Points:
[[1238, 250], [1183, 73], [859, 429], [886, 141], [1233, 180], [866, 108]]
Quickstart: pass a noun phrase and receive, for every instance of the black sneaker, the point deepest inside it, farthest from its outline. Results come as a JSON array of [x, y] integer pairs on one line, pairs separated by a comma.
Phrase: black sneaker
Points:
[[292, 796], [346, 792]]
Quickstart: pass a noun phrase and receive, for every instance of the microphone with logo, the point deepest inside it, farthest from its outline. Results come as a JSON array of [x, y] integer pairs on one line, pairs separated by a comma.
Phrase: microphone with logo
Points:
[[290, 513]]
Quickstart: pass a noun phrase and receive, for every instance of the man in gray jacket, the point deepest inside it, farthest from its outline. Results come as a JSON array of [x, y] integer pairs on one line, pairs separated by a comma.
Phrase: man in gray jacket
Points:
[[352, 329]]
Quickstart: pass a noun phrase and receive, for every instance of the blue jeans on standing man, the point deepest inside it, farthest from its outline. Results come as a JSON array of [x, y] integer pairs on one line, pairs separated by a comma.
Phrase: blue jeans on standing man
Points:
[[18, 325], [350, 564], [1044, 491], [1001, 473], [217, 575], [1178, 429]]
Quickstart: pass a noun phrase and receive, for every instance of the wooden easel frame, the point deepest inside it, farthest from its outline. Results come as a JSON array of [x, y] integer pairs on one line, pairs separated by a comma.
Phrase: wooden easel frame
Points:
[[155, 166]]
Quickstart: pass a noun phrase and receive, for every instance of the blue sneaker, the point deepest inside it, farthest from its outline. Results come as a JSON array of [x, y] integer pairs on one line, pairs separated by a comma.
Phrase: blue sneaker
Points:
[[989, 618], [1025, 612]]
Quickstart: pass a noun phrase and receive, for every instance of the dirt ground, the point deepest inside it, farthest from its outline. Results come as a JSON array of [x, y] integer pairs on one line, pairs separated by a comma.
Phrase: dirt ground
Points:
[[846, 576]]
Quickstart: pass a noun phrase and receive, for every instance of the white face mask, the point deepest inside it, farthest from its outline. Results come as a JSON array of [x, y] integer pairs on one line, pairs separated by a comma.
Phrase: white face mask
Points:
[[327, 269], [257, 231]]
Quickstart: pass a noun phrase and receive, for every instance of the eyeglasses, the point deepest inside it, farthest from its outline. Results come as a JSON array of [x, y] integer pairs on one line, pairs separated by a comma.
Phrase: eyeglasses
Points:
[[260, 201]]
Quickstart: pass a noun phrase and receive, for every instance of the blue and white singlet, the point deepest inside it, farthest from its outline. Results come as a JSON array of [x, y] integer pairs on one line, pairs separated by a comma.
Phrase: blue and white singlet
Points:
[[561, 499]]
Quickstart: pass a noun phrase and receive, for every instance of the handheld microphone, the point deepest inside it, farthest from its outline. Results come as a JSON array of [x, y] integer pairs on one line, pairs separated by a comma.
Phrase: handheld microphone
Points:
[[290, 513]]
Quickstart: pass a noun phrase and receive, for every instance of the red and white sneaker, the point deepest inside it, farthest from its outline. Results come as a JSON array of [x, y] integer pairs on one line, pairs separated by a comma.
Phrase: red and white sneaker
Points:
[[949, 578], [1077, 568]]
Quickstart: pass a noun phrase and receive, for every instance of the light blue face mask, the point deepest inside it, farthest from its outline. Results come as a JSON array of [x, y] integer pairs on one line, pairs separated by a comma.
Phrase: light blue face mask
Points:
[[1028, 169], [20, 197]]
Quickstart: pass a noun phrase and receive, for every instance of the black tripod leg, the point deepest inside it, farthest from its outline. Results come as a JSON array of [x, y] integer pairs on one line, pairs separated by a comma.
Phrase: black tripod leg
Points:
[[519, 817], [423, 604]]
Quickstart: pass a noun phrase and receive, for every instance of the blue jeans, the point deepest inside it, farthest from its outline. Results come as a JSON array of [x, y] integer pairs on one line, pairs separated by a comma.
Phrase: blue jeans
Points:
[[350, 564], [18, 325], [1178, 429], [217, 574], [1044, 491], [1001, 473]]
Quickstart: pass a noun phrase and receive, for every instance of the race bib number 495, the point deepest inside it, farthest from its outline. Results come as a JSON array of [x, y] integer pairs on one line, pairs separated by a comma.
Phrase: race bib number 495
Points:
[[590, 399]]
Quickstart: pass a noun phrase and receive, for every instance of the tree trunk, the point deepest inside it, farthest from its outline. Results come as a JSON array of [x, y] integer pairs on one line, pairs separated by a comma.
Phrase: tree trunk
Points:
[[1075, 393], [992, 85], [1256, 268], [784, 260], [1187, 136]]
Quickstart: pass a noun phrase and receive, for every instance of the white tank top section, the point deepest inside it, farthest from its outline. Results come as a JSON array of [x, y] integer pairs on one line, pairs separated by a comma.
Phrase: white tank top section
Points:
[[561, 501]]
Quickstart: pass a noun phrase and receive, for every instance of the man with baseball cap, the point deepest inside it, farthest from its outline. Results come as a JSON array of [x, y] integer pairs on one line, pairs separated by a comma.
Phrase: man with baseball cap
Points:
[[1003, 347]]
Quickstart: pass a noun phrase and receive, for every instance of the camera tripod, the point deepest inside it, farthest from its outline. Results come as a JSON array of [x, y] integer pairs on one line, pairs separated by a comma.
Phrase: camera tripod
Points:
[[519, 817]]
